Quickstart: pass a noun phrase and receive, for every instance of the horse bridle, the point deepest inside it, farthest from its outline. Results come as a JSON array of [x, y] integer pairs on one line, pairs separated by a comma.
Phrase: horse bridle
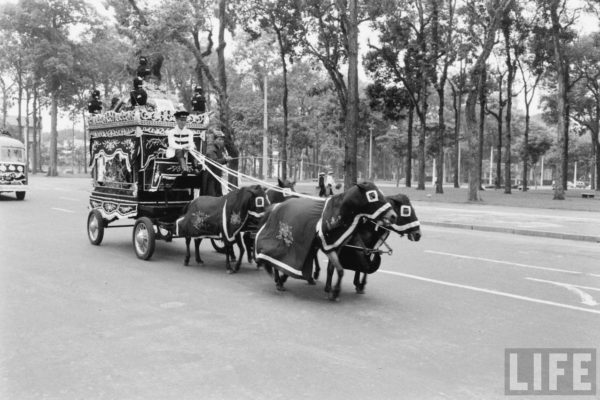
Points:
[[375, 250]]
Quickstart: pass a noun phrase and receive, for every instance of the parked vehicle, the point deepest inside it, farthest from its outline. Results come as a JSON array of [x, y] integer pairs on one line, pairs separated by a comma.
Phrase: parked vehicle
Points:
[[13, 166]]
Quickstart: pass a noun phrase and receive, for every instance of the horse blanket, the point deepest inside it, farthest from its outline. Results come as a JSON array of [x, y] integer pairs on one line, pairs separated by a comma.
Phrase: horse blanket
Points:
[[227, 215], [294, 230]]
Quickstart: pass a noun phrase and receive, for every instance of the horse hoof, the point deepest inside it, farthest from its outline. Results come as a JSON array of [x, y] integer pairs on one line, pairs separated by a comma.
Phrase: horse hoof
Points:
[[360, 290], [327, 289], [316, 276], [186, 262], [333, 296], [280, 288], [230, 271], [312, 282], [199, 262]]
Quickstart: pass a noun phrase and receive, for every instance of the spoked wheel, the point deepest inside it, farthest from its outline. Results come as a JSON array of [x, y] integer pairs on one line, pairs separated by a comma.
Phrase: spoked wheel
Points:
[[95, 227], [20, 195], [144, 238], [218, 245]]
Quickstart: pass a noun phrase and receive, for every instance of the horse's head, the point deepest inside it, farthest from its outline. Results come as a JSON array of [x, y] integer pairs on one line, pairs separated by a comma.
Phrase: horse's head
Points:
[[276, 196], [366, 198], [406, 222], [286, 184]]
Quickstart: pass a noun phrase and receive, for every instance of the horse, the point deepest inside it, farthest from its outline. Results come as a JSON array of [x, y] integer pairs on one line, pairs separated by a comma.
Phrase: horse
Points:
[[273, 197], [295, 230], [226, 216], [361, 253]]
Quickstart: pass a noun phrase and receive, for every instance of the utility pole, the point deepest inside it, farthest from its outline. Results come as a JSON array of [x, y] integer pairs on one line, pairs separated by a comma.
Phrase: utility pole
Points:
[[73, 147]]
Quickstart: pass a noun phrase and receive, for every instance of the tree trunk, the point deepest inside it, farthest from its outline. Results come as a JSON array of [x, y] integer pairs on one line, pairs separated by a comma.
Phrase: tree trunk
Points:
[[421, 149], [559, 60], [482, 101], [476, 82], [457, 104], [409, 145], [284, 101], [351, 143], [525, 148], [224, 97], [85, 145], [34, 146], [509, 83], [596, 145], [53, 167]]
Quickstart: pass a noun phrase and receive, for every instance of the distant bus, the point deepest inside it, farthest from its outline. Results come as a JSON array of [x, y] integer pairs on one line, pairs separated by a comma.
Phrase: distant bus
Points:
[[13, 166]]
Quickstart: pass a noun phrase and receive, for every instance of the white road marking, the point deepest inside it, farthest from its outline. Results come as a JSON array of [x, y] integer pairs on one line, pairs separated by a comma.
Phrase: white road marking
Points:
[[63, 210], [528, 215], [572, 284], [491, 291], [507, 262], [69, 198], [586, 298]]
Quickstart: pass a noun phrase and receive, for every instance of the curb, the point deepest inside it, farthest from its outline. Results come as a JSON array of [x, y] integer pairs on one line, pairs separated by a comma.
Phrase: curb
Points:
[[525, 232]]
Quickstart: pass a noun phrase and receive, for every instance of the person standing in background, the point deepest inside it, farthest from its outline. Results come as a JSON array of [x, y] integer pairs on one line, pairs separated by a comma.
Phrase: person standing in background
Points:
[[217, 153], [329, 184]]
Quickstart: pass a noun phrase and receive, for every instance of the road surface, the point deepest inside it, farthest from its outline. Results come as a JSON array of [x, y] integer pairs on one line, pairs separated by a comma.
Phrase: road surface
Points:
[[94, 322]]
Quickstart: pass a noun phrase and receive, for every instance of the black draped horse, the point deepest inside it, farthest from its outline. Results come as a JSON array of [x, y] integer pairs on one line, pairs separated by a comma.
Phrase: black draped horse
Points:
[[274, 196], [361, 253], [295, 230], [224, 217]]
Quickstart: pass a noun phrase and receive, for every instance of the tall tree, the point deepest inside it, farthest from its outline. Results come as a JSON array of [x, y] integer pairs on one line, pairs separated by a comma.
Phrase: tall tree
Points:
[[443, 52], [495, 10], [402, 59], [48, 25], [282, 18]]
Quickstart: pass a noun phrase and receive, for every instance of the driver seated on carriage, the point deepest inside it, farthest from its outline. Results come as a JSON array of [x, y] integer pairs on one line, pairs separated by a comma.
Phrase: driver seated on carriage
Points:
[[180, 141]]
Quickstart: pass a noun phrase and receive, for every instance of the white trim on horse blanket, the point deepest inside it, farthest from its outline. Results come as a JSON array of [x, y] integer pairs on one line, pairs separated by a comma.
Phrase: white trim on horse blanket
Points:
[[287, 238], [207, 216]]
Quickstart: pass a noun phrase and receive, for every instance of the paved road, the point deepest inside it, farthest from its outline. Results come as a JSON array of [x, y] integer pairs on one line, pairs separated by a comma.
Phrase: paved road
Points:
[[87, 322]]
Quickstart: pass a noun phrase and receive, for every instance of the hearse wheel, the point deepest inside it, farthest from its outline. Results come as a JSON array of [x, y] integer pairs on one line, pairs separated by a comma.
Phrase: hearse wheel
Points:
[[95, 227], [144, 238], [218, 245], [20, 195]]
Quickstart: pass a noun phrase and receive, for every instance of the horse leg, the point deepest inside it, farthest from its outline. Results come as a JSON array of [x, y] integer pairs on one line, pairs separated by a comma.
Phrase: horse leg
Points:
[[197, 249], [363, 283], [359, 284], [186, 261], [278, 280], [238, 241], [232, 253], [317, 271], [249, 243], [228, 251], [335, 263], [330, 269], [356, 281]]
